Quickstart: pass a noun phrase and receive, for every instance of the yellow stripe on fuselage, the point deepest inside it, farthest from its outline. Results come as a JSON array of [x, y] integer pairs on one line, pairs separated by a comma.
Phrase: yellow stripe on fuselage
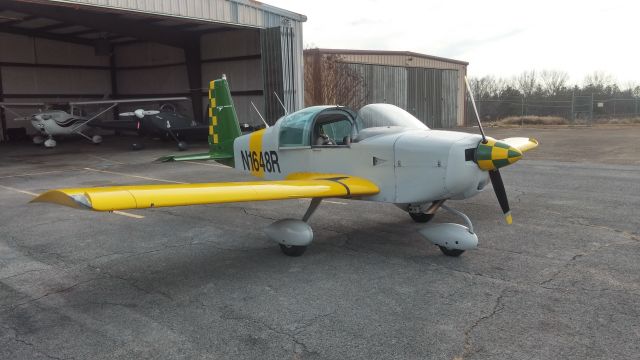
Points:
[[255, 147]]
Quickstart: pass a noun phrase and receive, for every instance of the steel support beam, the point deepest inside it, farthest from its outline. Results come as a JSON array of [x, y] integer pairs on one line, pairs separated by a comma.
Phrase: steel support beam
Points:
[[3, 118], [101, 21], [194, 74], [44, 35], [113, 72]]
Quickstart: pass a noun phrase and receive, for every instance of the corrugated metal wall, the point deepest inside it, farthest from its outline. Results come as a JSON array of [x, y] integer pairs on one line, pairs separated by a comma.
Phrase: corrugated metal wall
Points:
[[240, 12], [149, 69], [238, 55], [428, 94], [41, 70], [410, 61]]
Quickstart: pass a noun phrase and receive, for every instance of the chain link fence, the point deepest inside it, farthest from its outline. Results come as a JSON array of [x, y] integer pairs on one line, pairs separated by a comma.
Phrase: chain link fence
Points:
[[574, 109]]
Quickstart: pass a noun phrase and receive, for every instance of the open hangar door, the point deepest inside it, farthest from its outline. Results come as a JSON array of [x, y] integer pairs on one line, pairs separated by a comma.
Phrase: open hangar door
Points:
[[56, 52]]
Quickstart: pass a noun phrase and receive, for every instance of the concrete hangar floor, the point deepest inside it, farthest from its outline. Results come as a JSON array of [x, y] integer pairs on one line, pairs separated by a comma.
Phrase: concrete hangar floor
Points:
[[205, 282]]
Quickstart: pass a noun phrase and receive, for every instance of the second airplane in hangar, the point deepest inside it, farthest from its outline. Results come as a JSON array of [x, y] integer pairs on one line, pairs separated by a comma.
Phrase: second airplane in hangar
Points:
[[382, 153]]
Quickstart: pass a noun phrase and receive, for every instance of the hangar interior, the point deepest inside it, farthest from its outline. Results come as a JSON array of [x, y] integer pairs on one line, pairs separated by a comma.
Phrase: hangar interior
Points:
[[61, 51]]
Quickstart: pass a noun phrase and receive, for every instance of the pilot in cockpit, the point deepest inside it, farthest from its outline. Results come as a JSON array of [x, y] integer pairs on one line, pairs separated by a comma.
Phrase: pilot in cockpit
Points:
[[322, 138]]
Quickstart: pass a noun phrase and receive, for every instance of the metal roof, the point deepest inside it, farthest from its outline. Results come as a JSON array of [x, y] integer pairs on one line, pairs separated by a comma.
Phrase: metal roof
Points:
[[168, 21], [385, 52]]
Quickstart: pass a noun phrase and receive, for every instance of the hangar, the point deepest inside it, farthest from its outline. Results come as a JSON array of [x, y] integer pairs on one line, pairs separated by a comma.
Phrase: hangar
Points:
[[431, 88], [61, 51]]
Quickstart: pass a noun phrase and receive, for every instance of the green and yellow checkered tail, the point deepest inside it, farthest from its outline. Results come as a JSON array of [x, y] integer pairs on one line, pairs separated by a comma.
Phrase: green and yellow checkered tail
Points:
[[224, 127]]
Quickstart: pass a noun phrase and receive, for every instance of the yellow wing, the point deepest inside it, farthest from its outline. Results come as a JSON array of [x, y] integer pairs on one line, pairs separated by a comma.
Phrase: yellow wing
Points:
[[521, 143], [298, 185]]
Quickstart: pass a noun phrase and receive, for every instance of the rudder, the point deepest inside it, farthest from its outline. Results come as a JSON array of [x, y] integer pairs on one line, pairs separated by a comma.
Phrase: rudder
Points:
[[224, 126]]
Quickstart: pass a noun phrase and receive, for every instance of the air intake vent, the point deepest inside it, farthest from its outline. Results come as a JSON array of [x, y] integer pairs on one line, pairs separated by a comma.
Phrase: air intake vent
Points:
[[469, 154]]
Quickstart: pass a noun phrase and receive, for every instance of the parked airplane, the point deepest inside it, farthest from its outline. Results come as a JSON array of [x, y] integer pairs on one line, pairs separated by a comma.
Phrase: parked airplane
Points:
[[382, 153], [52, 122], [166, 123]]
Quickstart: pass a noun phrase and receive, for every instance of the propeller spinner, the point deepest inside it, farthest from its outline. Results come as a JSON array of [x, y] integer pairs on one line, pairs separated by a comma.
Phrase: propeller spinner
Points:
[[140, 113], [490, 155]]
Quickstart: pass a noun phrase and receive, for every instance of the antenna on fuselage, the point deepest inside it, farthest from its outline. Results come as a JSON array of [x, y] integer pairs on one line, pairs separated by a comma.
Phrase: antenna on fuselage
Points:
[[260, 115], [281, 103], [475, 109]]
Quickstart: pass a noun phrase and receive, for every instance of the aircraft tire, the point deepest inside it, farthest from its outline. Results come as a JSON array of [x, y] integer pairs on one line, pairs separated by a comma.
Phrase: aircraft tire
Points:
[[421, 217], [96, 139], [450, 252], [38, 140], [50, 143], [137, 146], [292, 250], [182, 146]]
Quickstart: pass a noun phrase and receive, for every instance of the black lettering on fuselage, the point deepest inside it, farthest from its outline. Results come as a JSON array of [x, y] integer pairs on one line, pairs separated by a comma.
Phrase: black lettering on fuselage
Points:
[[274, 160], [260, 161], [245, 160]]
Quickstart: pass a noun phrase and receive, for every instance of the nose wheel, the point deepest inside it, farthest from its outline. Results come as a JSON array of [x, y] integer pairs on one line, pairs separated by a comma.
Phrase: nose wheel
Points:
[[450, 252], [421, 217], [292, 250]]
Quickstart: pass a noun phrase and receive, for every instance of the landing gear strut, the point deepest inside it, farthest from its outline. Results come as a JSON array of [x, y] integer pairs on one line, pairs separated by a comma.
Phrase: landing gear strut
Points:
[[452, 239], [424, 216]]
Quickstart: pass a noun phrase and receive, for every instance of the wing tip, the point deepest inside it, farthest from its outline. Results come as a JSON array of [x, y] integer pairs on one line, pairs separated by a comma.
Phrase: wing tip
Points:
[[77, 201]]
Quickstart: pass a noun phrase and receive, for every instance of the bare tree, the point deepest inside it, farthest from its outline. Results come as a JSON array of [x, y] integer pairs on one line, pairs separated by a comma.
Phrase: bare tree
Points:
[[527, 82], [329, 80], [485, 87], [553, 81], [599, 79]]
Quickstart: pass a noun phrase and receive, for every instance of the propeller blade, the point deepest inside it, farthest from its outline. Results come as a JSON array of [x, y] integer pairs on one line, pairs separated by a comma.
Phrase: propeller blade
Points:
[[151, 112], [501, 194], [127, 114]]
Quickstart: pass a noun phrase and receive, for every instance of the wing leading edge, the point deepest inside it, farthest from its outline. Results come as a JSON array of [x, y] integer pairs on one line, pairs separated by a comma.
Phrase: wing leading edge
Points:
[[299, 185]]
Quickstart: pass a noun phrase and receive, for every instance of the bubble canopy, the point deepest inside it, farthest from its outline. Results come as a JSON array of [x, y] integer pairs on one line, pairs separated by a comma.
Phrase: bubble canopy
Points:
[[386, 115]]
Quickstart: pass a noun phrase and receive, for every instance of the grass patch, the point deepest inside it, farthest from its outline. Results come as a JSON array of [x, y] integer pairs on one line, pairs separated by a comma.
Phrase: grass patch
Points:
[[532, 120], [620, 121]]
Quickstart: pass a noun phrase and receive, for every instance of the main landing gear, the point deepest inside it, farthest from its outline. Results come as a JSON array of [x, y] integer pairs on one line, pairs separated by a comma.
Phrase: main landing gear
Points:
[[293, 235]]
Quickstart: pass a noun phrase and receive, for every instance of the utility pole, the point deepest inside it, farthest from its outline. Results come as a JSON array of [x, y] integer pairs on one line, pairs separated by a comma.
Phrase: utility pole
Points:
[[573, 107], [591, 117]]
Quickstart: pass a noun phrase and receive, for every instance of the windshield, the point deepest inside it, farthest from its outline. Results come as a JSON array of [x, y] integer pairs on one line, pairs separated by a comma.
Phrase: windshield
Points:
[[295, 129], [384, 115]]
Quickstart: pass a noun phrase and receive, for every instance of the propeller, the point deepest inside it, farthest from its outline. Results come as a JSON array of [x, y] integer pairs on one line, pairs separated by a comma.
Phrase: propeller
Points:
[[490, 155], [140, 113], [501, 194]]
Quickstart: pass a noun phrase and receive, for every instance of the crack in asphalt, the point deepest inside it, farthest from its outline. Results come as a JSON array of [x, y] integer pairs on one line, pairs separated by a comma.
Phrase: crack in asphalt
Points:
[[131, 283], [22, 273], [584, 222], [292, 336], [60, 291], [16, 338], [498, 306]]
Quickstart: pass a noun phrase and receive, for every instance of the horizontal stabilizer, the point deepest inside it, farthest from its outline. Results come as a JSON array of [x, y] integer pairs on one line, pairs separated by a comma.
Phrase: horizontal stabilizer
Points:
[[521, 143], [301, 185], [191, 157]]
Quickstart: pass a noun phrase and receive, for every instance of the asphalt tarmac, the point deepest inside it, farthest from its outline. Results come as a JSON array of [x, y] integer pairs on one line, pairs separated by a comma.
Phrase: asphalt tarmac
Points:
[[204, 282]]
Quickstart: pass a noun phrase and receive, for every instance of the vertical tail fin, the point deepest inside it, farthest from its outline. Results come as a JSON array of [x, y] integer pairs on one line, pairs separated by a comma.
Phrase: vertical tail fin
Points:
[[224, 127]]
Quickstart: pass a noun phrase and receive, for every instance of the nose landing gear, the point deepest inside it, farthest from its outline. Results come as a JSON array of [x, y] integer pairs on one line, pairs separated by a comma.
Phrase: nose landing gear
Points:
[[452, 239]]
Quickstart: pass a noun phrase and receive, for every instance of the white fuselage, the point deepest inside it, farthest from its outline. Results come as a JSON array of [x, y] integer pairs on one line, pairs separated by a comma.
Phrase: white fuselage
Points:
[[57, 123], [409, 166]]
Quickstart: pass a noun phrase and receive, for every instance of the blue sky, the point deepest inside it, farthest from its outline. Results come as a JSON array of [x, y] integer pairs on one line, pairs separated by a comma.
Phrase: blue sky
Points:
[[496, 37]]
